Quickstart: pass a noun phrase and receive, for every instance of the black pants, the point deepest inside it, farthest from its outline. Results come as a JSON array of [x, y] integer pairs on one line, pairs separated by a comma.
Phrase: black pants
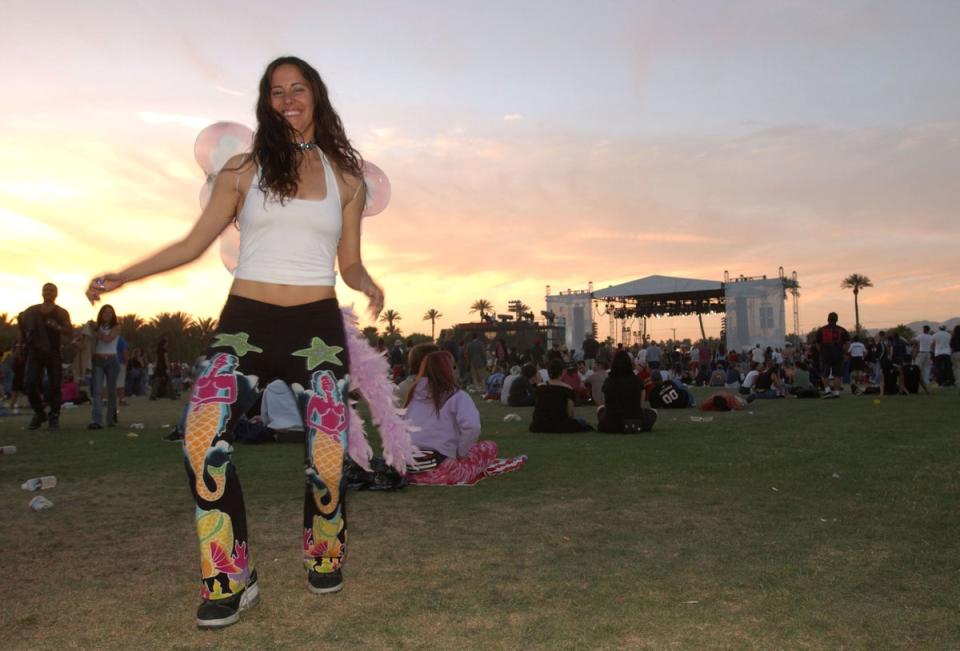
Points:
[[255, 343], [37, 363], [944, 367]]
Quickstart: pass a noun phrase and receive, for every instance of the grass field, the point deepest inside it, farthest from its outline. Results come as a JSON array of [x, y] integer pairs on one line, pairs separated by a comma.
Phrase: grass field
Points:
[[798, 524]]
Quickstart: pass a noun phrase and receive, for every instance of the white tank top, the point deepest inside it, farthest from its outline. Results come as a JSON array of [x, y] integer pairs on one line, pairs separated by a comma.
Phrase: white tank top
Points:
[[290, 244], [106, 347]]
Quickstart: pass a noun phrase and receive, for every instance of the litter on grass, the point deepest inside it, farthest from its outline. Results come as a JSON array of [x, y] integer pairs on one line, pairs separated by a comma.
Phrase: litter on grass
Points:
[[132, 435], [40, 503], [512, 418], [136, 425]]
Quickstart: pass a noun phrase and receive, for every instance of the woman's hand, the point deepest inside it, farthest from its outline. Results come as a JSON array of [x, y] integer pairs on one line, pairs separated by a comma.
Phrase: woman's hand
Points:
[[101, 285], [374, 294]]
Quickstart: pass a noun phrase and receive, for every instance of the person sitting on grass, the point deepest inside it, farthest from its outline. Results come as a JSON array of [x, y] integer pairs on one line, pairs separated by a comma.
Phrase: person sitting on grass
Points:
[[521, 389], [507, 382], [623, 400], [768, 383], [553, 404], [750, 379], [414, 359], [494, 384], [669, 394], [448, 430], [571, 377], [596, 381], [732, 378]]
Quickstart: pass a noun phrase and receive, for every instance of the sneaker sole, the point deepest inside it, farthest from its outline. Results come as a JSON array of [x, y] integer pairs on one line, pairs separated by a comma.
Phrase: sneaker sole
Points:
[[336, 588], [249, 599]]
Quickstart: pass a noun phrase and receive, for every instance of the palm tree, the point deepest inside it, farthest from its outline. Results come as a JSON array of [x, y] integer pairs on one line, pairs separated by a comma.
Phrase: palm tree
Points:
[[856, 282], [371, 335], [204, 327], [132, 329], [520, 309], [482, 306], [8, 330], [388, 317], [432, 315], [176, 327]]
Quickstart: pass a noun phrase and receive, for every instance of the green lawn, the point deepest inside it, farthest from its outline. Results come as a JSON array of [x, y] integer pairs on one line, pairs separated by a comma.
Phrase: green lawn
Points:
[[797, 524]]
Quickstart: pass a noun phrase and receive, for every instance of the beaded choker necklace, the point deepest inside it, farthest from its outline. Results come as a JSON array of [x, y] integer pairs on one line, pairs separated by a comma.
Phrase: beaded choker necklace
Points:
[[305, 146]]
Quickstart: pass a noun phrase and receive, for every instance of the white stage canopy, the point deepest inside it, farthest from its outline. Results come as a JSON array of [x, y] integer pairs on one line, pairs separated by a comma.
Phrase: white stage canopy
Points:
[[659, 286]]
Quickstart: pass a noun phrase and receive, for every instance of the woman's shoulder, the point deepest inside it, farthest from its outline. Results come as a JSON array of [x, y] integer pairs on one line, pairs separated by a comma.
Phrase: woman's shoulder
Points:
[[238, 172], [241, 164], [349, 182]]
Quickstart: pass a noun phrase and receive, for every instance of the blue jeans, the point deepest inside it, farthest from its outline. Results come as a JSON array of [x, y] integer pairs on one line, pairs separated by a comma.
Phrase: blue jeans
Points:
[[107, 368]]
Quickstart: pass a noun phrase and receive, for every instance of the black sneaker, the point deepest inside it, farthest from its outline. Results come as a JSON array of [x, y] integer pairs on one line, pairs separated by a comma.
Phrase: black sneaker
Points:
[[326, 583], [54, 422], [220, 613], [39, 418]]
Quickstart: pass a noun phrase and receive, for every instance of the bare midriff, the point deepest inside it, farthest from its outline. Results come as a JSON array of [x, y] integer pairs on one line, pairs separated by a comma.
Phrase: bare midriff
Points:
[[283, 295]]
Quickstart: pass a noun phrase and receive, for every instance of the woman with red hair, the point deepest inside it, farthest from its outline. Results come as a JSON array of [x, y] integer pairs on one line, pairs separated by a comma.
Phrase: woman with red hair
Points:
[[449, 429]]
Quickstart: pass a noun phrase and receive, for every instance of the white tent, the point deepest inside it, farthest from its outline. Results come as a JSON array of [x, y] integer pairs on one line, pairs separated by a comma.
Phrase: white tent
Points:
[[659, 285]]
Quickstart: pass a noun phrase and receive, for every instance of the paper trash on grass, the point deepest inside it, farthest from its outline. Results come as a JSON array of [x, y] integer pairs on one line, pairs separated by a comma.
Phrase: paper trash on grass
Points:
[[512, 418], [132, 435], [136, 425], [40, 503]]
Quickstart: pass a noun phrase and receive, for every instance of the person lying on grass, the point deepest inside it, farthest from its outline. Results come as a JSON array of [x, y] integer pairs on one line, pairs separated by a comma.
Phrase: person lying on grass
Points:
[[449, 429], [725, 401]]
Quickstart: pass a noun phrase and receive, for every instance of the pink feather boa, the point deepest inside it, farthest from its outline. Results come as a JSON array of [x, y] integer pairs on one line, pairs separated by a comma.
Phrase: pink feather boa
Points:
[[369, 374]]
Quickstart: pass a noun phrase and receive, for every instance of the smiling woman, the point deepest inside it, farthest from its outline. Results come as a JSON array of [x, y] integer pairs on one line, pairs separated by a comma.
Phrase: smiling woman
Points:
[[298, 198]]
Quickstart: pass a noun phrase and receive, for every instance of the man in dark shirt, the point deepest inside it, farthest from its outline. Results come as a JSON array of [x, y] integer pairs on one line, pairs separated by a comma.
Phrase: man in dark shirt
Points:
[[41, 327], [590, 348], [833, 341], [476, 355], [521, 389]]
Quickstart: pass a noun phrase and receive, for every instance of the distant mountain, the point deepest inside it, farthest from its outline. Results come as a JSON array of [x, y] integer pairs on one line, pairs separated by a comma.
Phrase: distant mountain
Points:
[[917, 326]]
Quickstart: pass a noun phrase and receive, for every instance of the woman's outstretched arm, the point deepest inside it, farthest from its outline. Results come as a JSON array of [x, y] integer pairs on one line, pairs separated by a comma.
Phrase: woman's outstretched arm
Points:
[[215, 217]]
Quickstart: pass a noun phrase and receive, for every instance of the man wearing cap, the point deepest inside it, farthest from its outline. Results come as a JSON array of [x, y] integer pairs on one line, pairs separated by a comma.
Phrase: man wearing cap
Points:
[[941, 357]]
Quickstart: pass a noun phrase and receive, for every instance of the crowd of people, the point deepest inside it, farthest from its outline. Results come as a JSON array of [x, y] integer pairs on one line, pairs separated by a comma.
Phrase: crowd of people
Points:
[[101, 370], [627, 384]]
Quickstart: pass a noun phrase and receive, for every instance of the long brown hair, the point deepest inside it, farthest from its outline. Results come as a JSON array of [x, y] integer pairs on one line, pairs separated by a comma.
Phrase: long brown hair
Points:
[[441, 380], [274, 148]]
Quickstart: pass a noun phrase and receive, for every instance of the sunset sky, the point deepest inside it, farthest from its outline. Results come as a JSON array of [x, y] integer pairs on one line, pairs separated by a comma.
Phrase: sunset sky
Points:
[[529, 143]]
